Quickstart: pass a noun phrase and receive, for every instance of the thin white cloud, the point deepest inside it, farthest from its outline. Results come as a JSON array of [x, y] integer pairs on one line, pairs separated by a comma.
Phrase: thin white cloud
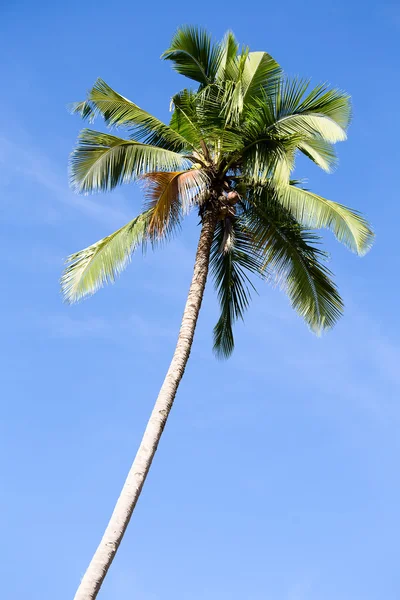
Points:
[[112, 329], [66, 326], [27, 160], [301, 590]]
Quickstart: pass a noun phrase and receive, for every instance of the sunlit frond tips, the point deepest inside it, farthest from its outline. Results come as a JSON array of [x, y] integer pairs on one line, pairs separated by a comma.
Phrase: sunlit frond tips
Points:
[[100, 263]]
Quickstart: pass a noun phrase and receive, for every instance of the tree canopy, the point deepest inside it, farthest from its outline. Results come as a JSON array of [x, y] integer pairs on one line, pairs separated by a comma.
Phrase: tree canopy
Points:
[[230, 145]]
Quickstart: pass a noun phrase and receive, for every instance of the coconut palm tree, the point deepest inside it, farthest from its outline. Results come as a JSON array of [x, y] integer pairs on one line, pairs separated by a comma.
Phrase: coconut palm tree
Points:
[[228, 153]]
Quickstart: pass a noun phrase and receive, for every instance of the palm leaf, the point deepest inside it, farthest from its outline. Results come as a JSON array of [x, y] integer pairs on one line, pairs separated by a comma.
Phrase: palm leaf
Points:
[[246, 81], [312, 210], [197, 116], [194, 55], [102, 161], [227, 69], [310, 125], [84, 109], [290, 252], [169, 195], [268, 159], [185, 117], [332, 103], [286, 111], [100, 263], [230, 267], [322, 112], [118, 111], [320, 152], [287, 96], [261, 72]]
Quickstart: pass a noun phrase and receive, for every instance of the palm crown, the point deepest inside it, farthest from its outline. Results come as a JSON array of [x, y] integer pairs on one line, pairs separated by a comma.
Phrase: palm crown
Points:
[[229, 148]]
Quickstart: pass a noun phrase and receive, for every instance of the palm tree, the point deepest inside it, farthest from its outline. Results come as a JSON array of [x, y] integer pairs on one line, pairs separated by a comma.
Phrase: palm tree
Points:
[[228, 152]]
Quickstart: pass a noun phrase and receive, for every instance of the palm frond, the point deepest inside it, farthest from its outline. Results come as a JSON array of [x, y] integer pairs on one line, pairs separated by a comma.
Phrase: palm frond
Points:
[[231, 265], [323, 112], [287, 112], [290, 97], [102, 161], [227, 69], [118, 111], [268, 160], [260, 74], [212, 105], [287, 96], [332, 103], [185, 118], [292, 254], [84, 109], [320, 152], [311, 210], [310, 125], [170, 195], [197, 116], [249, 77], [194, 55], [100, 263]]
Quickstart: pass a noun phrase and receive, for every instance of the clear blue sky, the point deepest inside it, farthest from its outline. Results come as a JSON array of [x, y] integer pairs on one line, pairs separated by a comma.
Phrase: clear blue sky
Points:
[[278, 474]]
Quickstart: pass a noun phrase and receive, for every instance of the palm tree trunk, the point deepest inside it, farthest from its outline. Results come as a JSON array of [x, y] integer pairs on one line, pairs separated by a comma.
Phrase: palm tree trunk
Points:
[[104, 555]]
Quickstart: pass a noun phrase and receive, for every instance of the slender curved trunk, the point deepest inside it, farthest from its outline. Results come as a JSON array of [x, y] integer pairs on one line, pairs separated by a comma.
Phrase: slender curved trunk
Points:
[[104, 555]]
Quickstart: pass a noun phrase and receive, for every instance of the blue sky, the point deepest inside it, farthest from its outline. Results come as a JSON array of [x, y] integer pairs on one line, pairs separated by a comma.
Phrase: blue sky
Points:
[[277, 477]]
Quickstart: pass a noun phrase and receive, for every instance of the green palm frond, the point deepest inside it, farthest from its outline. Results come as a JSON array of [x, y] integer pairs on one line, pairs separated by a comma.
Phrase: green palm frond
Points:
[[102, 161], [332, 103], [321, 113], [310, 125], [231, 263], [314, 211], [286, 112], [211, 110], [248, 79], [260, 74], [197, 116], [84, 109], [185, 118], [194, 55], [291, 254], [320, 152], [118, 111], [227, 68], [291, 98], [268, 160], [100, 263], [287, 96]]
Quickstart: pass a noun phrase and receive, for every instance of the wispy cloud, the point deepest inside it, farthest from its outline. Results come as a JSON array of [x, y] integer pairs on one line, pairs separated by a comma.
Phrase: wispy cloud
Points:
[[27, 160], [352, 370], [301, 589], [66, 326], [38, 258], [112, 329]]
